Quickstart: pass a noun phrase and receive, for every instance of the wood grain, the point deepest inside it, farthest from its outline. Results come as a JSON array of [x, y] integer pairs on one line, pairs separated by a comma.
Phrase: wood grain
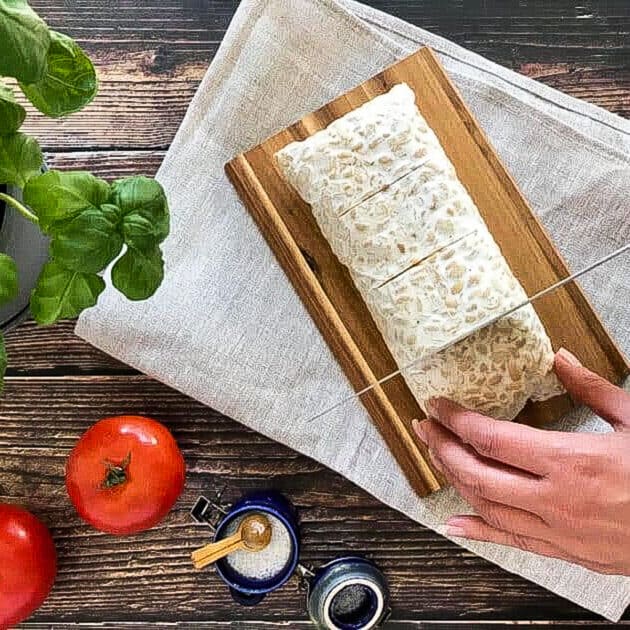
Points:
[[55, 350], [335, 304], [149, 52], [150, 67], [143, 96], [147, 578]]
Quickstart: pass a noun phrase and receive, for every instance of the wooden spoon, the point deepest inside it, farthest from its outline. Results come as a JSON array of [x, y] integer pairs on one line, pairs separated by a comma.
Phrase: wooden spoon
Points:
[[253, 534]]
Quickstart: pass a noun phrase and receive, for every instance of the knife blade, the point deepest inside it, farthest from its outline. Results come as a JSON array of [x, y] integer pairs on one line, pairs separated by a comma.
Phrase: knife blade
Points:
[[472, 330]]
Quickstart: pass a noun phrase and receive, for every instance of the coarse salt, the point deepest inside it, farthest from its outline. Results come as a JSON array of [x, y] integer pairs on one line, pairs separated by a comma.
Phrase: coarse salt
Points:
[[269, 562]]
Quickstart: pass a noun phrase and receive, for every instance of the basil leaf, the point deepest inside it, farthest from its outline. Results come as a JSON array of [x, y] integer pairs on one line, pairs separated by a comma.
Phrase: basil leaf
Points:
[[8, 279], [24, 41], [88, 242], [61, 293], [69, 82], [3, 361], [140, 233], [111, 212], [20, 159], [138, 274], [58, 196], [12, 114], [145, 211]]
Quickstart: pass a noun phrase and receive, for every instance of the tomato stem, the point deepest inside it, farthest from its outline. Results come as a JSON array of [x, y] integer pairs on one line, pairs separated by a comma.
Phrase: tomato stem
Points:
[[116, 474]]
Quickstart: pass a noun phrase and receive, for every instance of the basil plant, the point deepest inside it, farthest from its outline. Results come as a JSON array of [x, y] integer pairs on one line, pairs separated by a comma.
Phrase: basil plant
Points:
[[89, 221]]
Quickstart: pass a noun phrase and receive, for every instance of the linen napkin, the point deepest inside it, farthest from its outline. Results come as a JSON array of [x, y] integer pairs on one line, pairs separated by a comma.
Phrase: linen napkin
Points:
[[227, 327]]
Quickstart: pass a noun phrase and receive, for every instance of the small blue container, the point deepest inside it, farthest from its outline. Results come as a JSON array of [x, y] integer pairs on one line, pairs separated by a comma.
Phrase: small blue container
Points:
[[349, 593], [250, 591]]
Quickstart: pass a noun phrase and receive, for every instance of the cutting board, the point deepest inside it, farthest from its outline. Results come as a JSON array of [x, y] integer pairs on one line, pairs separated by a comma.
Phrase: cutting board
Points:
[[334, 303]]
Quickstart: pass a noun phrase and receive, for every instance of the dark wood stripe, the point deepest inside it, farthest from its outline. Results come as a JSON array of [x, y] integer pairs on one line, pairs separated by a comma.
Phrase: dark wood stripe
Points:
[[38, 350]]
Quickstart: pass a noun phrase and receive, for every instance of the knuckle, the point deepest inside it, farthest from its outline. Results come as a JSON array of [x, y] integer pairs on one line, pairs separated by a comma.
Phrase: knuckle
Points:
[[581, 457], [487, 444], [587, 464], [561, 513], [473, 484]]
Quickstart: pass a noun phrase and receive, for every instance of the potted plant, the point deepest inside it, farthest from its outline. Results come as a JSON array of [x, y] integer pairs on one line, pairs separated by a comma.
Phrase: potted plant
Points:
[[59, 230]]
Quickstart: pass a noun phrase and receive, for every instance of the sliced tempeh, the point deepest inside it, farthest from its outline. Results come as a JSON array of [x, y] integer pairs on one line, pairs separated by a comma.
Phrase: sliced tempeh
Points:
[[388, 200], [418, 215], [494, 371], [359, 154], [455, 289]]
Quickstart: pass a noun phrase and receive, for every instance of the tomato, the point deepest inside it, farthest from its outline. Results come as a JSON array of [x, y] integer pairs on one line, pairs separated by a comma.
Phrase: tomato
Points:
[[125, 474], [28, 564]]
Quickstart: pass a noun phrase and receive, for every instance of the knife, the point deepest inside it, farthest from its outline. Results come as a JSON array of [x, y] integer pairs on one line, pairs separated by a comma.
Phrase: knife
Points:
[[484, 324]]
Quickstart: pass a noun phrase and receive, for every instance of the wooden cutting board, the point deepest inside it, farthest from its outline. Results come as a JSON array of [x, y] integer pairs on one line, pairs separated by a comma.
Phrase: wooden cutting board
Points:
[[338, 309]]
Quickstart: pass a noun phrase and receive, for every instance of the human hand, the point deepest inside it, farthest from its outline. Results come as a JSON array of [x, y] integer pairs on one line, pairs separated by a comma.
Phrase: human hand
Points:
[[564, 495]]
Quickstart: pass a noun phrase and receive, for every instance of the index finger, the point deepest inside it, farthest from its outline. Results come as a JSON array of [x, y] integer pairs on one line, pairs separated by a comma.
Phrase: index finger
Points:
[[517, 445], [605, 399]]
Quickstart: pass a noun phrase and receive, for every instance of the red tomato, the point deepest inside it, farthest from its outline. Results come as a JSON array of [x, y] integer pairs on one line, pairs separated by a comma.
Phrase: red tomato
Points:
[[28, 564], [125, 474]]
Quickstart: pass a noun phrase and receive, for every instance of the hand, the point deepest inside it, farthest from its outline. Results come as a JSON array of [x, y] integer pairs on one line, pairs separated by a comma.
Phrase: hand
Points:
[[564, 495]]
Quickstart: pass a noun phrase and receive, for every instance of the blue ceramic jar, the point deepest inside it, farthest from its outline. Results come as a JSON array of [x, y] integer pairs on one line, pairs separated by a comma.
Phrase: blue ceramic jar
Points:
[[349, 593], [249, 590]]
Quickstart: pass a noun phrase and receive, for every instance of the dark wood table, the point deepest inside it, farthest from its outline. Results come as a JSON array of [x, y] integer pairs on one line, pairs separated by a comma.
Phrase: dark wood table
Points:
[[151, 57]]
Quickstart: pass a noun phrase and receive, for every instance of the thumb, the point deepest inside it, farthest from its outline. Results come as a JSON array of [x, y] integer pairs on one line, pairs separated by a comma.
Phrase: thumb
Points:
[[610, 402]]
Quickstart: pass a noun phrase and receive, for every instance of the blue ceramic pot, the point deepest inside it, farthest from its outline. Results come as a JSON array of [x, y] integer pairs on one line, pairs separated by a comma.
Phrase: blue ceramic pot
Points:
[[348, 593], [244, 590]]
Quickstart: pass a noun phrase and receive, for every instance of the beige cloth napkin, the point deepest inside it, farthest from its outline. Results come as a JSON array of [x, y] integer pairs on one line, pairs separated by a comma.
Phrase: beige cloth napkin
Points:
[[227, 327]]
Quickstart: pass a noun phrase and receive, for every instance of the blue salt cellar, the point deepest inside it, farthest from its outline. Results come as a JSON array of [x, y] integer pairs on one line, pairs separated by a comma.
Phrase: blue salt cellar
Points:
[[349, 593]]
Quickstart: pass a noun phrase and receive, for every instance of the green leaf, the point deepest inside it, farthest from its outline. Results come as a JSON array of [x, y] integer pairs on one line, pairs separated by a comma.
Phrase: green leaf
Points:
[[112, 212], [20, 159], [88, 242], [138, 274], [3, 361], [140, 233], [56, 197], [61, 293], [8, 279], [12, 114], [69, 82], [145, 211], [24, 41]]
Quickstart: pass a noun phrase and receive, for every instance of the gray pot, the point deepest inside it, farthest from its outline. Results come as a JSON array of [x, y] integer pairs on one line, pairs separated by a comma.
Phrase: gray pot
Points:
[[22, 240]]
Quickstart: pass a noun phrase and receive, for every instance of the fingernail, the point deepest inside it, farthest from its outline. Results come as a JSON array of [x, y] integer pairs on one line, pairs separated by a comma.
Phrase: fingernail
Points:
[[419, 429], [432, 408], [453, 530], [569, 357]]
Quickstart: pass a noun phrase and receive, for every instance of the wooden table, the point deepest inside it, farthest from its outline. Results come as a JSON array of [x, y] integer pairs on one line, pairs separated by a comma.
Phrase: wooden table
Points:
[[151, 58]]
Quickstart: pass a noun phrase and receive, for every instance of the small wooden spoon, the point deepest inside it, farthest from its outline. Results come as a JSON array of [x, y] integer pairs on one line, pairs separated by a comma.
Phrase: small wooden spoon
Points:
[[253, 534]]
